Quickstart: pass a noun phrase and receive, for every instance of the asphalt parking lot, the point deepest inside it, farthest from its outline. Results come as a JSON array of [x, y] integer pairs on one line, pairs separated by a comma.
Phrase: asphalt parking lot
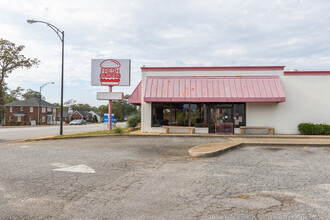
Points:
[[154, 178]]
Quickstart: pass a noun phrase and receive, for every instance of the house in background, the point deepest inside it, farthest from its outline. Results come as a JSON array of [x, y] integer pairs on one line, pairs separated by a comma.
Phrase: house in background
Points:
[[23, 112], [66, 116], [81, 115], [97, 115]]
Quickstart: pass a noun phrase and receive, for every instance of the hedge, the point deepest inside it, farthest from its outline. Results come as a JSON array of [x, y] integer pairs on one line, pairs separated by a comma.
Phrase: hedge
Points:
[[134, 120], [314, 129]]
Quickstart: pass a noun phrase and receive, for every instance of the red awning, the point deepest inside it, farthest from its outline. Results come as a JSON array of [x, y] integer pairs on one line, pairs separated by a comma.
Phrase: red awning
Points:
[[213, 89], [135, 98]]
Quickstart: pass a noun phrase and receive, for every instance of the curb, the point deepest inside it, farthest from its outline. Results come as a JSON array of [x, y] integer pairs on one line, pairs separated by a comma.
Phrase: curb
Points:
[[221, 148], [235, 145]]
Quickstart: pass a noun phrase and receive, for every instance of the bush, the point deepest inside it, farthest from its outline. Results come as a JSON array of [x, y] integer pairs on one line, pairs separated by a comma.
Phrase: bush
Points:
[[24, 123], [134, 120], [11, 123], [117, 130], [17, 123], [314, 129]]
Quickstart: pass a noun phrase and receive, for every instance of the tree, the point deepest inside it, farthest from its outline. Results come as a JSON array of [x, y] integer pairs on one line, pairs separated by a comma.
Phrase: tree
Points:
[[11, 59], [13, 95], [32, 94], [121, 109]]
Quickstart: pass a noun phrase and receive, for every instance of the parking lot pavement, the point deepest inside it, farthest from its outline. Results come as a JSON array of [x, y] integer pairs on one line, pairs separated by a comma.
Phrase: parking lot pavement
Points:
[[154, 178]]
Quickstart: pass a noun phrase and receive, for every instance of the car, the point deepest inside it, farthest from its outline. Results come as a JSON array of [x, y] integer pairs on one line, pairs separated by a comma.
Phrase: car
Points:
[[78, 122]]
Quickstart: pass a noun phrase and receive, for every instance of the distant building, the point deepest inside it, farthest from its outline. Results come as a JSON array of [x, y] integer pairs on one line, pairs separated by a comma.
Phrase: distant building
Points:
[[66, 116], [97, 114], [81, 115], [23, 112]]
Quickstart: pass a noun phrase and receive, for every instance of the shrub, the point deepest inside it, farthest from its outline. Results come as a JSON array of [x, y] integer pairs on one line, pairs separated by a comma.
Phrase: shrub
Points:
[[11, 123], [134, 120], [17, 123], [314, 129], [117, 130], [24, 123]]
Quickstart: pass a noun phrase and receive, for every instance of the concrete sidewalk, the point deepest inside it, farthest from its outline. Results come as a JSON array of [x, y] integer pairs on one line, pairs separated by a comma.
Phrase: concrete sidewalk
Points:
[[208, 150]]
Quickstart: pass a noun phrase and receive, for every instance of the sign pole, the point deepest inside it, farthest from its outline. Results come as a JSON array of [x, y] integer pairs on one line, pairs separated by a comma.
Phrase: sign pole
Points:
[[110, 111]]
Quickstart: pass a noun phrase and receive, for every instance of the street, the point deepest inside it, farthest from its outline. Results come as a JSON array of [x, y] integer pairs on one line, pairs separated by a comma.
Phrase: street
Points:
[[126, 177], [17, 133]]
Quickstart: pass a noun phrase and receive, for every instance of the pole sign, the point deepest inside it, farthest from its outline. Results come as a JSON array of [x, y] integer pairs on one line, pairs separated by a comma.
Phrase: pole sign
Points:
[[112, 118], [111, 72]]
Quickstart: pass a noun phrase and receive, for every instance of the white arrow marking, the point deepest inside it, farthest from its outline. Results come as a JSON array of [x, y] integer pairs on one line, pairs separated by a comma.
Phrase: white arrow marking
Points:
[[81, 168]]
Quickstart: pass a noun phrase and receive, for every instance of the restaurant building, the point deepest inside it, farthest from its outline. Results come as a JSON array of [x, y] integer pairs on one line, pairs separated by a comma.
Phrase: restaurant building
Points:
[[221, 99]]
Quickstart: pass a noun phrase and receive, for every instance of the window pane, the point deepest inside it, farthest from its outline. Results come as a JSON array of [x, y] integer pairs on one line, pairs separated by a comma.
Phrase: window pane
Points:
[[239, 115], [180, 114], [199, 115], [160, 114]]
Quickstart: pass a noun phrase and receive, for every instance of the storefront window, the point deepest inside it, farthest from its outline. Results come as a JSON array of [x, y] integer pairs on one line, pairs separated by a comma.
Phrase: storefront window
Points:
[[239, 115], [196, 114], [180, 114], [199, 115], [160, 114]]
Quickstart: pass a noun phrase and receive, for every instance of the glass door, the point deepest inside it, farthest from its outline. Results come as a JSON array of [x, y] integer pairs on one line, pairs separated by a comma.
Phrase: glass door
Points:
[[220, 114]]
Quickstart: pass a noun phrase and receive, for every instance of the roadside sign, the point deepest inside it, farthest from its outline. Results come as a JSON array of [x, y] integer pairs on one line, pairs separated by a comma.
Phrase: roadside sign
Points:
[[109, 95], [106, 118], [111, 72]]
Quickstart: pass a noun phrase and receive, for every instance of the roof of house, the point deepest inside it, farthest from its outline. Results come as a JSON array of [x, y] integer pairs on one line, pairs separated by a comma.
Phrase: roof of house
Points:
[[65, 114], [82, 113], [96, 113], [31, 102]]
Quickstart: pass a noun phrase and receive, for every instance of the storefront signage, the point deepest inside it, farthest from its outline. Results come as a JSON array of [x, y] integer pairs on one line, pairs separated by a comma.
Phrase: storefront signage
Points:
[[109, 95], [111, 72]]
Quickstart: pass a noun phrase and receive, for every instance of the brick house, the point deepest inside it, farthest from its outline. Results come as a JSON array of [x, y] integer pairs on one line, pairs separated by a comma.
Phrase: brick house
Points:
[[81, 115], [23, 112]]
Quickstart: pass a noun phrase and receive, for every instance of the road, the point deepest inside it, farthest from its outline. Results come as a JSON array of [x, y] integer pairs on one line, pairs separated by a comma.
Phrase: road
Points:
[[125, 177], [17, 133]]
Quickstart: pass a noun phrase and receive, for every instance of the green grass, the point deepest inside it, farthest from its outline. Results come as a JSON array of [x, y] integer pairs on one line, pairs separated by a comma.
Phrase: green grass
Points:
[[97, 133], [115, 131]]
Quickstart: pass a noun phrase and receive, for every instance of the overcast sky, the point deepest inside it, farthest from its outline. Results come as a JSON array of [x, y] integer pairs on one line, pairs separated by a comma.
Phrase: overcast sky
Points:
[[292, 33]]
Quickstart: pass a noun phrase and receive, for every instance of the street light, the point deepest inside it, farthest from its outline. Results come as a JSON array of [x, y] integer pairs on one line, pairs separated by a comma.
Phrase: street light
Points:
[[60, 34], [41, 87]]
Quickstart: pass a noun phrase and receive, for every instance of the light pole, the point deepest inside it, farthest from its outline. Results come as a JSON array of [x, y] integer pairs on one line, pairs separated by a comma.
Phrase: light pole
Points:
[[60, 34], [41, 87]]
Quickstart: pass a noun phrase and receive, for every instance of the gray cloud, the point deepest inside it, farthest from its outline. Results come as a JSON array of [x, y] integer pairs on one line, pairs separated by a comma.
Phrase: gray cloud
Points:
[[294, 33]]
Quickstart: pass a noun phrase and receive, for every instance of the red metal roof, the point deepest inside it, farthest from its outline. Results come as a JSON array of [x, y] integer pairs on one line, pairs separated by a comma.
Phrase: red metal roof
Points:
[[214, 68], [213, 89], [135, 98]]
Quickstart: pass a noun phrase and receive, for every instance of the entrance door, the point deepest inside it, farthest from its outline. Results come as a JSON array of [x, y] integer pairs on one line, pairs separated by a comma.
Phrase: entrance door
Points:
[[49, 119], [221, 118]]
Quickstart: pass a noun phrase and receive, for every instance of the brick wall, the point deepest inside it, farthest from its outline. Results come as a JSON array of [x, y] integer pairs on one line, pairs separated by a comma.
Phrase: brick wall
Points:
[[76, 115], [26, 118]]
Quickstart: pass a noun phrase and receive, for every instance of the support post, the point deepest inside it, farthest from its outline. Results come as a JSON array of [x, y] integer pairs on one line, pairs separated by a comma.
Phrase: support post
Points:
[[110, 111]]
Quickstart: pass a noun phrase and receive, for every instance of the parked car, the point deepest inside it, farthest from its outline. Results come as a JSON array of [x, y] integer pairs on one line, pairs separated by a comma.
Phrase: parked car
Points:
[[78, 122]]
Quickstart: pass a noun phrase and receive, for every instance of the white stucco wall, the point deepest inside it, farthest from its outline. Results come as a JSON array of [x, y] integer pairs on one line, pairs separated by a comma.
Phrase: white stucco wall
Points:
[[307, 100]]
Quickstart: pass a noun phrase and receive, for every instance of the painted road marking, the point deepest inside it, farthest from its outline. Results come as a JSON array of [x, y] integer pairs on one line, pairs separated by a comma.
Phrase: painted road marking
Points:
[[81, 168]]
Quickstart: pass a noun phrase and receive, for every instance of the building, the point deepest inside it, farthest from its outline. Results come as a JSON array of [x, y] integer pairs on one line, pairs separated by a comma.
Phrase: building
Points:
[[97, 115], [23, 112], [66, 116], [81, 115], [208, 97]]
